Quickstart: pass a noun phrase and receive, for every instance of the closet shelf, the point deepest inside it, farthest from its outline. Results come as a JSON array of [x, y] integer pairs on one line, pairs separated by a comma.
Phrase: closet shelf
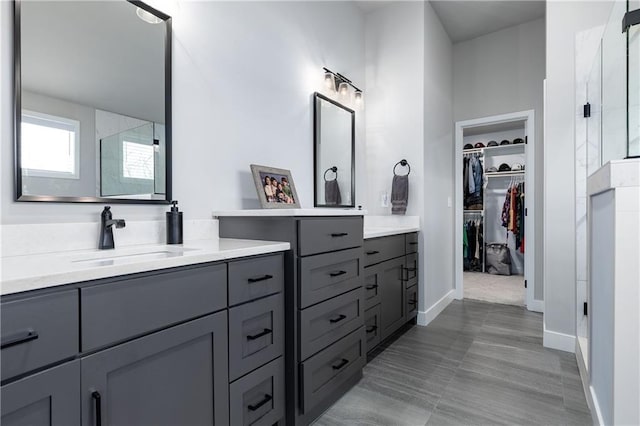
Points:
[[480, 212], [505, 174], [497, 150]]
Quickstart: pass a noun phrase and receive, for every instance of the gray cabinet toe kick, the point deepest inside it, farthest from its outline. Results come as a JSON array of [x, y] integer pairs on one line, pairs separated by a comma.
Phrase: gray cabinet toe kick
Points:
[[164, 347]]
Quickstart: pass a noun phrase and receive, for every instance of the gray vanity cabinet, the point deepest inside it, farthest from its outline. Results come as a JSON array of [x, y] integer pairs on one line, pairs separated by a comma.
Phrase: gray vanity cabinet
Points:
[[149, 349], [324, 305], [175, 376], [48, 398], [391, 285]]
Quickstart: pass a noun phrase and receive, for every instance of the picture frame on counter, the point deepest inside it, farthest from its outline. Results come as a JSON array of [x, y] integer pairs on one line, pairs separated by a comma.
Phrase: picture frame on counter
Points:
[[275, 187]]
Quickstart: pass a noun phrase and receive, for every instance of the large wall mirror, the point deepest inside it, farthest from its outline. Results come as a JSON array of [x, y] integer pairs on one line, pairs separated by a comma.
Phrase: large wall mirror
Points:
[[334, 139], [93, 102]]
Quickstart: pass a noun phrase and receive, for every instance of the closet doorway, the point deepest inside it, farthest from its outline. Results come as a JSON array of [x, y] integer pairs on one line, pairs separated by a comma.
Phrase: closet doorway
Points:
[[494, 216]]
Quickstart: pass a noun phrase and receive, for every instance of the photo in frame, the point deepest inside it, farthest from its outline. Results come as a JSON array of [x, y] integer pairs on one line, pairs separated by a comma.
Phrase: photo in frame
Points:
[[275, 187]]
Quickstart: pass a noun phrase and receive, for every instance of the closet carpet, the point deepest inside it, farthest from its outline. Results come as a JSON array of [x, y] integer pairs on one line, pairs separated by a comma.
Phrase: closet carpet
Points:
[[476, 364], [508, 290]]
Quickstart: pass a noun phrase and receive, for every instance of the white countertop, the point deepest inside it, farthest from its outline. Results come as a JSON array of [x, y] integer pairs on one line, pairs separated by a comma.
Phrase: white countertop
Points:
[[290, 212], [32, 272], [614, 174], [384, 231]]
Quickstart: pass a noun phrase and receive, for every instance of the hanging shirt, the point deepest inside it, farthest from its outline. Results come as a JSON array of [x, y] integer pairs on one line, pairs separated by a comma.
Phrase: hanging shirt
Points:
[[472, 181], [465, 242], [505, 209]]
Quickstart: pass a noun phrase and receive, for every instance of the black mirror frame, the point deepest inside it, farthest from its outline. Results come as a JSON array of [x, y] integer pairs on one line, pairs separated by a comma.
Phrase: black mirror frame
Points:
[[317, 97], [17, 108]]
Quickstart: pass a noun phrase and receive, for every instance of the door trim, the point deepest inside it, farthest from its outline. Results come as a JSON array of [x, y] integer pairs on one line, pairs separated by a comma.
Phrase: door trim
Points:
[[530, 262]]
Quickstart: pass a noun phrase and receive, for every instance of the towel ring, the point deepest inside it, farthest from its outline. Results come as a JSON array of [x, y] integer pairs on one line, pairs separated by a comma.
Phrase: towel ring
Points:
[[333, 169], [403, 163]]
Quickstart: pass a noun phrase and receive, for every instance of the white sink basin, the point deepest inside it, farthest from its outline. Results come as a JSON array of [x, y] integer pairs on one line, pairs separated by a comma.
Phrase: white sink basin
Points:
[[109, 257]]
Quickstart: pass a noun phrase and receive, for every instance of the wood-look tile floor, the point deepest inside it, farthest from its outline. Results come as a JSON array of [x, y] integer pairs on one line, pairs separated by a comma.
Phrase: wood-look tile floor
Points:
[[477, 363]]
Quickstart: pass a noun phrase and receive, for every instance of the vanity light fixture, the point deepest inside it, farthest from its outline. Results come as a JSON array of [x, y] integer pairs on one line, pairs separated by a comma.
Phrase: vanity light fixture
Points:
[[336, 82], [358, 96], [147, 16]]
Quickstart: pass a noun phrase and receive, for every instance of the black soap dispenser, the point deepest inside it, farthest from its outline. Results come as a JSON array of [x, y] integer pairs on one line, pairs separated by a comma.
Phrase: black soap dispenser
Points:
[[174, 225]]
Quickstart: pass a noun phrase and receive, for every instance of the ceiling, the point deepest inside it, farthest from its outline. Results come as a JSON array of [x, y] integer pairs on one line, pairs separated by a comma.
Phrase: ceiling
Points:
[[464, 20]]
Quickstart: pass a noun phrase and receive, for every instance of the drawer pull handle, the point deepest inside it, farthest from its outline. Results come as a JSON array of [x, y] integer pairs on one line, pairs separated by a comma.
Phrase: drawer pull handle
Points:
[[95, 395], [19, 338], [413, 302], [372, 252], [337, 274], [335, 320], [410, 269], [372, 329], [259, 335], [340, 234], [266, 399], [264, 278], [371, 287], [413, 243], [340, 364]]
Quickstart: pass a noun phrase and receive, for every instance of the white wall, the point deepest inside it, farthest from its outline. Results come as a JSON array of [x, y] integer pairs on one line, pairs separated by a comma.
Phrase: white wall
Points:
[[394, 102], [438, 224], [564, 21], [408, 102], [243, 78], [499, 73]]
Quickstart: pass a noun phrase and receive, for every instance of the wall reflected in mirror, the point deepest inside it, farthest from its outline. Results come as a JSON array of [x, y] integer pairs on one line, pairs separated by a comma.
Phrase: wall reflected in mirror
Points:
[[334, 141], [94, 84]]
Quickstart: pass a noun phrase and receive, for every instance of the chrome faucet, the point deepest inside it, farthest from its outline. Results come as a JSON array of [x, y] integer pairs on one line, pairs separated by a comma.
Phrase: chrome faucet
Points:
[[106, 229]]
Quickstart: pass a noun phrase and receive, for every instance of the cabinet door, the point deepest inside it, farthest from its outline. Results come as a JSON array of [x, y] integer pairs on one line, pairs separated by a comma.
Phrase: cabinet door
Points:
[[411, 297], [392, 302], [173, 377], [51, 397]]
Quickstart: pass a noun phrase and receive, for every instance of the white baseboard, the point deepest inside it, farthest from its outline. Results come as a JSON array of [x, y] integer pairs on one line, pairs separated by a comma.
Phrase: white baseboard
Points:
[[597, 419], [559, 341], [425, 317], [536, 306], [584, 377]]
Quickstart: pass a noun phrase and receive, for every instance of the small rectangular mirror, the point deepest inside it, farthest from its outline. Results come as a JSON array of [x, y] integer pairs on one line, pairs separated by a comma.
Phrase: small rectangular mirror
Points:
[[93, 102], [334, 140]]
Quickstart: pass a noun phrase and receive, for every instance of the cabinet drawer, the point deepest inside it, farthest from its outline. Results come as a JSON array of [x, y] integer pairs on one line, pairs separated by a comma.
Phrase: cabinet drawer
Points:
[[411, 270], [256, 334], [38, 331], [321, 235], [372, 327], [371, 287], [411, 242], [412, 302], [323, 373], [254, 278], [326, 322], [258, 398], [327, 275], [377, 250], [120, 310]]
